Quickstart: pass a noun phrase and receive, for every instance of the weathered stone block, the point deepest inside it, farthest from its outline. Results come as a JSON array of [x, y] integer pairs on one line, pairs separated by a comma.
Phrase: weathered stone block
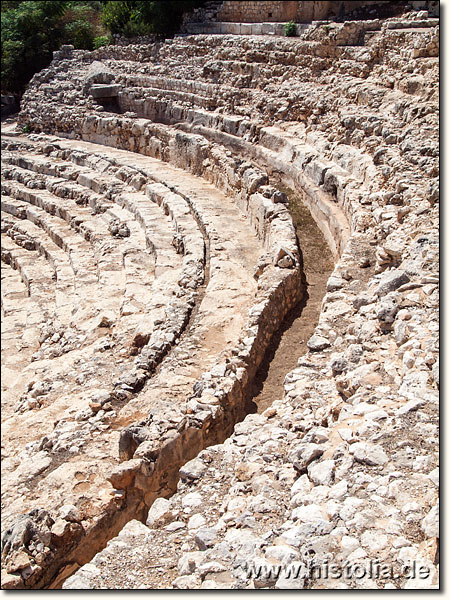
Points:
[[104, 91]]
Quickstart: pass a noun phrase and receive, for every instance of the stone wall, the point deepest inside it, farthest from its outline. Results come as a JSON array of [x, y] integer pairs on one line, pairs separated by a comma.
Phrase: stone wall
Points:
[[272, 12], [257, 12], [203, 20]]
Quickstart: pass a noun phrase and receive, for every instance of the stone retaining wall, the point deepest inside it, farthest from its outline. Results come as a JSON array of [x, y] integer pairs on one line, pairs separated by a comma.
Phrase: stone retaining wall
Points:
[[241, 28], [303, 12], [209, 417]]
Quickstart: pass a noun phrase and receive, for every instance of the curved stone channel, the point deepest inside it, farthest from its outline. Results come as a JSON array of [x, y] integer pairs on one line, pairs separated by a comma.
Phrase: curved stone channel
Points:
[[301, 318], [289, 342], [214, 326]]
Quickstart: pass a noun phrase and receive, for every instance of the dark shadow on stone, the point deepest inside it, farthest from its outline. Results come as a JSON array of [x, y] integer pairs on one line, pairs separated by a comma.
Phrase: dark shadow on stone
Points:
[[110, 104], [263, 370]]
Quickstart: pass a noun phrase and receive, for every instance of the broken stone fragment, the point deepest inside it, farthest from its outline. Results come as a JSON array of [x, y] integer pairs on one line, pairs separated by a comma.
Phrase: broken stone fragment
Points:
[[133, 380], [123, 475], [284, 259], [253, 179], [18, 561], [370, 454], [263, 262], [196, 522], [192, 470], [159, 513], [374, 540], [301, 486], [104, 91], [69, 512], [98, 73], [338, 364], [411, 406], [306, 453], [363, 300], [430, 524], [33, 525], [335, 283], [191, 500], [322, 472], [186, 582], [10, 581], [130, 438], [316, 343], [105, 320], [279, 197], [118, 228], [205, 537], [30, 571], [245, 471], [95, 406], [308, 513], [387, 310], [178, 243], [175, 526], [189, 562], [60, 527], [391, 280], [148, 450]]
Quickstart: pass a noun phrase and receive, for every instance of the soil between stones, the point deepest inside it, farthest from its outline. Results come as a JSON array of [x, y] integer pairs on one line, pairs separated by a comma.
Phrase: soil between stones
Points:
[[289, 343]]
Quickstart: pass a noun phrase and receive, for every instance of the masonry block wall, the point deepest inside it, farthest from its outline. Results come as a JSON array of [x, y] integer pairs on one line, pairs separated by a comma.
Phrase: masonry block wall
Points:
[[303, 12], [257, 12], [273, 12]]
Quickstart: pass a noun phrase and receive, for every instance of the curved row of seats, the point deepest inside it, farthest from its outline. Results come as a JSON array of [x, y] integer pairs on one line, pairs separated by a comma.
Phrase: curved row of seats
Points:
[[145, 231], [62, 193]]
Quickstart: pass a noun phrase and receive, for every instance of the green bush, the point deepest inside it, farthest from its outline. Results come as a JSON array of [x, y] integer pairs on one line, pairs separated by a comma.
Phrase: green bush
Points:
[[142, 17], [116, 15], [32, 31], [102, 40], [290, 29], [9, 5], [80, 34], [82, 24]]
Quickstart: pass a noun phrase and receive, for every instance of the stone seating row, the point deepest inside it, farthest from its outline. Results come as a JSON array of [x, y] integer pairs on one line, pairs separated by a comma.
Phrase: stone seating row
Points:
[[161, 245]]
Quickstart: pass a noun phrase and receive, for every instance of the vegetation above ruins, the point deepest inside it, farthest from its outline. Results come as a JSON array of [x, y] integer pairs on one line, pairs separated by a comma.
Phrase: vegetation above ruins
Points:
[[143, 18], [32, 30]]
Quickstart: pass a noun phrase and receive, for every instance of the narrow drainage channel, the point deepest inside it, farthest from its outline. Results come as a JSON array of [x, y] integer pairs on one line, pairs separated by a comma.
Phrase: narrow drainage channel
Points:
[[289, 342]]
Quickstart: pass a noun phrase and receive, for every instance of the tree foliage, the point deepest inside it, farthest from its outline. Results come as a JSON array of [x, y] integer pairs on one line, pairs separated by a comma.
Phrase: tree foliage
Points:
[[143, 17], [9, 5], [30, 33], [33, 30]]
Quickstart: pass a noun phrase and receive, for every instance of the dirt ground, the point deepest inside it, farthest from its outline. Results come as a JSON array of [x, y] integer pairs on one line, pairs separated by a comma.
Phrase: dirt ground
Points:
[[289, 343]]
